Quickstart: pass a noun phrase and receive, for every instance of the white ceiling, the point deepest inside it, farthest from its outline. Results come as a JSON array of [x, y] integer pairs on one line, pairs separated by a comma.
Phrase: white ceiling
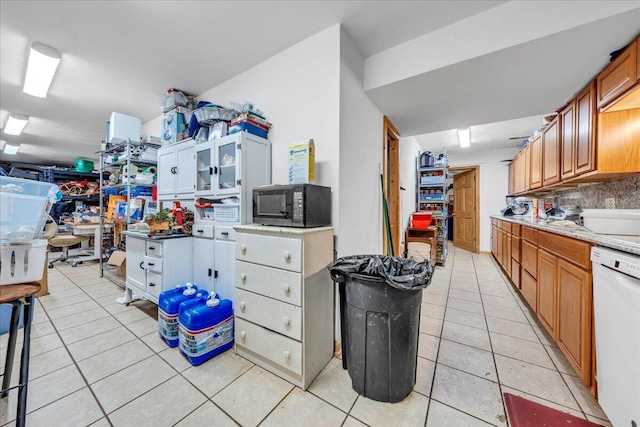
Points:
[[122, 56]]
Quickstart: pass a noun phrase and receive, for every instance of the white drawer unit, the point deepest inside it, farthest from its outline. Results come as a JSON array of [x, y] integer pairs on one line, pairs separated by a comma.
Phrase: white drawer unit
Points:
[[156, 264], [284, 302], [205, 231]]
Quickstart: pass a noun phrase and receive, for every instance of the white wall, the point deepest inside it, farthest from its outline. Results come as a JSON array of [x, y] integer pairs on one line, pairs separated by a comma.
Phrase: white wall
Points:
[[494, 182], [360, 200], [298, 90], [409, 149]]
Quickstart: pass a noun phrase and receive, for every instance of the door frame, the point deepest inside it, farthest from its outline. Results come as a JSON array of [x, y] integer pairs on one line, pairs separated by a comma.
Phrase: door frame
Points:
[[391, 179], [475, 168]]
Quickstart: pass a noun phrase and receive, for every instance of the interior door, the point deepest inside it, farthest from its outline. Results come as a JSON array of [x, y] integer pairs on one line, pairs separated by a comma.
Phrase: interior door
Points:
[[391, 179], [465, 224]]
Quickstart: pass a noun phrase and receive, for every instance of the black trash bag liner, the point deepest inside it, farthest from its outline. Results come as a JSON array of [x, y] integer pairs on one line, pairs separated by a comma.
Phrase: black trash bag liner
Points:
[[401, 273]]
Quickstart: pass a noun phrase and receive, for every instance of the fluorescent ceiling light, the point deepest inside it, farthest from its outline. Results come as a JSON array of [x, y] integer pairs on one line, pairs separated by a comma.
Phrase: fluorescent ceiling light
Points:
[[464, 136], [15, 124], [10, 149], [43, 62]]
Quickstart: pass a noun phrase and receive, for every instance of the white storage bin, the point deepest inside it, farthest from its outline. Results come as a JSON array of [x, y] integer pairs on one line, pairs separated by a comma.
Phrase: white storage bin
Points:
[[226, 212], [24, 206], [612, 221], [22, 263]]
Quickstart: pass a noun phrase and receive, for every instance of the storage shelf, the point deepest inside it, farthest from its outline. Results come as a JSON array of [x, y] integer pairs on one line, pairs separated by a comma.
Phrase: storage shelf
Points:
[[438, 185], [432, 168], [431, 178], [128, 185], [227, 166], [119, 148]]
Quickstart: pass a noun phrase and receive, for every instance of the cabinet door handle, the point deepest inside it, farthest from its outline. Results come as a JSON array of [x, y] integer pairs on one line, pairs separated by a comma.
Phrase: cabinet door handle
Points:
[[243, 276], [243, 248], [287, 255], [141, 262], [242, 305], [210, 272], [151, 248], [173, 170], [215, 170], [243, 334], [199, 231], [152, 284], [151, 263], [286, 287], [287, 355], [225, 233], [210, 170], [286, 320], [176, 169]]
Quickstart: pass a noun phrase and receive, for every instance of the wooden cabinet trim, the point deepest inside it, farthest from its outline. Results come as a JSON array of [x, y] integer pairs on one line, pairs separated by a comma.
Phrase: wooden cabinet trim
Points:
[[573, 250]]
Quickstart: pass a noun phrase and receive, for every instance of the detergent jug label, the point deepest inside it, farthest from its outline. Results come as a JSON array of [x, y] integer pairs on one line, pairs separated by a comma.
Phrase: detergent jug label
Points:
[[168, 325], [197, 343]]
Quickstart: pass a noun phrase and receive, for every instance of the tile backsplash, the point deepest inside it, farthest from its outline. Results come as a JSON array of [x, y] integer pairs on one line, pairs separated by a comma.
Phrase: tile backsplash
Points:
[[626, 191]]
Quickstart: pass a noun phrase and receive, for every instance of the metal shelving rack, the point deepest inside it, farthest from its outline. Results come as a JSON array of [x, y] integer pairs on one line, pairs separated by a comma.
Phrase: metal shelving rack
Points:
[[431, 192], [105, 167]]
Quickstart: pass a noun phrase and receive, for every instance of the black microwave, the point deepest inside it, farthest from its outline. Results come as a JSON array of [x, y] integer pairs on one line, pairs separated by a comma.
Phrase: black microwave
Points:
[[296, 205]]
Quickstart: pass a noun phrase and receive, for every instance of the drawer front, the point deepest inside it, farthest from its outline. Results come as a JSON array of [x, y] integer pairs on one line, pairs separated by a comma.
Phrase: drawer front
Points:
[[576, 251], [202, 231], [278, 252], [529, 258], [515, 248], [515, 273], [225, 233], [275, 315], [154, 283], [529, 289], [279, 349], [530, 234], [506, 226], [154, 248], [153, 264], [285, 286], [515, 229], [494, 222]]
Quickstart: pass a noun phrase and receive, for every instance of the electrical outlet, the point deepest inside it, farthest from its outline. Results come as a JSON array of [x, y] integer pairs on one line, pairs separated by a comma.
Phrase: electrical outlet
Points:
[[610, 203]]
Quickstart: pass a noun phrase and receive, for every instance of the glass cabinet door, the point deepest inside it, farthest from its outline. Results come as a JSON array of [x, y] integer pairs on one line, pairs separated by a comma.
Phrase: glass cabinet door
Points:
[[204, 169], [228, 167]]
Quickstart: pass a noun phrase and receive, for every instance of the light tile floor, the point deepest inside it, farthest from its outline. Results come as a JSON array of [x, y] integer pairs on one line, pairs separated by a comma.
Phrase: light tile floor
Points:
[[96, 362]]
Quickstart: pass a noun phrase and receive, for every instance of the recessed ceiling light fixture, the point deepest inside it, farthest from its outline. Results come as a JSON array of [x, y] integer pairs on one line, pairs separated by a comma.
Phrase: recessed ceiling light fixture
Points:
[[15, 124], [43, 62], [10, 149], [464, 137]]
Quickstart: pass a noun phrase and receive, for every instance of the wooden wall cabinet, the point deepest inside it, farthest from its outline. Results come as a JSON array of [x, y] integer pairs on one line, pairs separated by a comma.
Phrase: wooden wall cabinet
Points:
[[568, 126], [551, 153], [584, 144], [619, 76], [512, 177], [535, 164]]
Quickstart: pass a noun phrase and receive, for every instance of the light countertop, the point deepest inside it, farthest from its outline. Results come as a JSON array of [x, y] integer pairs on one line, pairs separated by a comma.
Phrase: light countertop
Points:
[[630, 244]]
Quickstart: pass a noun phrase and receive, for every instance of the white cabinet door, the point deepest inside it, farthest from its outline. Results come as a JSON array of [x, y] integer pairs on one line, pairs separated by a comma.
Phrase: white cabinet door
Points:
[[203, 263], [166, 175], [226, 267], [228, 166], [204, 169], [136, 272], [185, 165]]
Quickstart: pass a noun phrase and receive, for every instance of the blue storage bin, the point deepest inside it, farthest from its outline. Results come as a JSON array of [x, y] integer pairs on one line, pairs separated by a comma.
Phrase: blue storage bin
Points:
[[5, 318], [255, 130], [205, 330], [169, 309]]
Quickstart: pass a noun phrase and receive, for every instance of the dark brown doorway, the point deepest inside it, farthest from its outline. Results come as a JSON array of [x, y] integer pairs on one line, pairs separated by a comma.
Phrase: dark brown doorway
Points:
[[466, 200], [391, 180]]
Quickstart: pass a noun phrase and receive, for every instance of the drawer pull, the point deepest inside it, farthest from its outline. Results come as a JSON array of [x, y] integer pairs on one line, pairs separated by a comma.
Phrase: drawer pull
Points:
[[199, 231], [287, 255], [243, 248], [152, 248], [151, 263], [286, 320], [152, 284], [287, 355], [243, 276], [286, 287], [243, 334], [242, 305], [225, 233]]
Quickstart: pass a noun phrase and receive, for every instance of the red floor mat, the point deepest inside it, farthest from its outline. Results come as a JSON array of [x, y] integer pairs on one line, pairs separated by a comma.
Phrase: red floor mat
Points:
[[525, 413]]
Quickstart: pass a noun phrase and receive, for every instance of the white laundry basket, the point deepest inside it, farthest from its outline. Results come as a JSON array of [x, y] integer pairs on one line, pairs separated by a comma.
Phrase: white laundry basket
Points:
[[21, 263]]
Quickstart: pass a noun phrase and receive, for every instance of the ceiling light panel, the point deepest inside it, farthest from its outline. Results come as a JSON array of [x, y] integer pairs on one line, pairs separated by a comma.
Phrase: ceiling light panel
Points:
[[10, 149], [464, 136], [43, 62], [15, 124]]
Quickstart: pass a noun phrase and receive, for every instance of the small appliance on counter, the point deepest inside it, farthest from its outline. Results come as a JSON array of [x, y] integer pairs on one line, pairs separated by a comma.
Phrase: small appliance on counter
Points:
[[518, 206], [294, 205]]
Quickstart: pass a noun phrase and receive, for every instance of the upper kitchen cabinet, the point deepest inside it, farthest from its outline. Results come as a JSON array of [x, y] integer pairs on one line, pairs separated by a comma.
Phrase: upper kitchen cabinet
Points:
[[175, 165], [568, 134], [619, 76], [551, 153], [535, 174]]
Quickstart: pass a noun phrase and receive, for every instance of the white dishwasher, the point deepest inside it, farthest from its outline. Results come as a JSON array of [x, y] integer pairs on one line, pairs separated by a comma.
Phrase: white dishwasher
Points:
[[616, 299]]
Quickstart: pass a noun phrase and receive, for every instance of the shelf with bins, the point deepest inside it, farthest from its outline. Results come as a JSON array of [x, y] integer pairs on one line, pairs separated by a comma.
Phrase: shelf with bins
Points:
[[431, 190]]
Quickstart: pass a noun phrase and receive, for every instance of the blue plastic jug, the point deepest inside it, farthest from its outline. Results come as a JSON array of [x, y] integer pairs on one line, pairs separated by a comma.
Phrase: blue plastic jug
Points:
[[206, 328], [168, 310]]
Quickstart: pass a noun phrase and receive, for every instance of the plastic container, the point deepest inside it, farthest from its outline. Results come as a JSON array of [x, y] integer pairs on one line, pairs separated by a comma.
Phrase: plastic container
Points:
[[421, 220], [209, 115], [226, 212], [612, 221], [83, 165], [21, 263], [426, 180], [24, 206], [245, 126], [206, 328], [380, 301], [168, 310]]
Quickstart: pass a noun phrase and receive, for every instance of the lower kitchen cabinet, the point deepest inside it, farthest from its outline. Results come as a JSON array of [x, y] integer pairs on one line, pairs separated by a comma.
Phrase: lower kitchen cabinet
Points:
[[574, 317], [284, 300], [547, 290], [155, 265], [529, 289]]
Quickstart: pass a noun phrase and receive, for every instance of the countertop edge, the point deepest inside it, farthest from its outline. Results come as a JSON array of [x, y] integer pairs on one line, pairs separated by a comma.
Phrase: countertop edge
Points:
[[588, 236]]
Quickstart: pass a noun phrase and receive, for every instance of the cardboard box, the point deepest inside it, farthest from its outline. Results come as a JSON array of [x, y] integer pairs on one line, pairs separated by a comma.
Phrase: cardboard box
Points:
[[119, 259], [302, 162]]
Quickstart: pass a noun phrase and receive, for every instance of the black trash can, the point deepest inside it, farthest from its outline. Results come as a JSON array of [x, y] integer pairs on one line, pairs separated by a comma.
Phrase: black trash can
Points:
[[380, 300]]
